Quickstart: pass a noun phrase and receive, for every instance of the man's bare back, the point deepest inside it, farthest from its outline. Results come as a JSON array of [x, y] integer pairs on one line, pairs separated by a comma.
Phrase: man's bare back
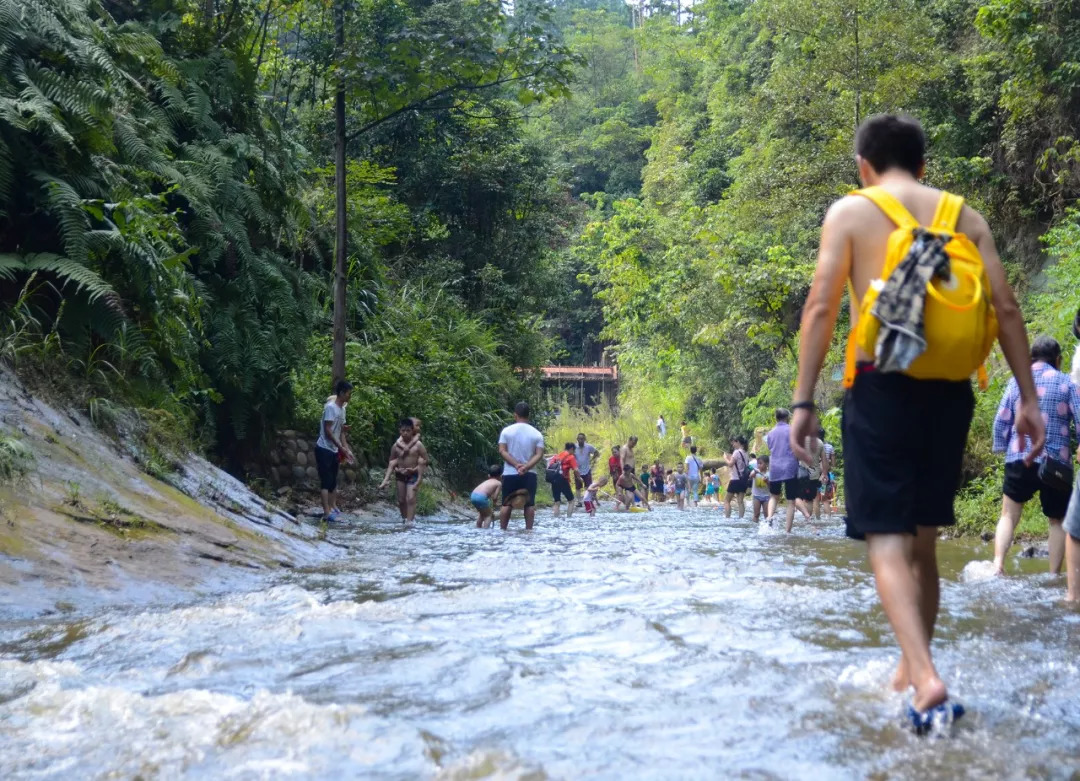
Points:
[[856, 234]]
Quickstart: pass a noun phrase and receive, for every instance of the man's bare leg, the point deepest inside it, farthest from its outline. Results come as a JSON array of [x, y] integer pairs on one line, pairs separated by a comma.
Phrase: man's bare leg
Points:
[[571, 505], [504, 516], [773, 501], [1057, 545], [1072, 568], [327, 505], [1006, 527], [791, 514], [410, 503], [555, 509], [403, 499], [925, 569], [530, 516], [892, 558]]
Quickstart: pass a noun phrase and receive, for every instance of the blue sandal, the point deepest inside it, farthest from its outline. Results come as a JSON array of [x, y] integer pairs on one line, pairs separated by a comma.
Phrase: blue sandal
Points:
[[936, 718]]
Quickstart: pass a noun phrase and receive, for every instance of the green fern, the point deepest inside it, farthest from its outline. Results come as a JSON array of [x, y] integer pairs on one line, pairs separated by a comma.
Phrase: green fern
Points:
[[67, 271]]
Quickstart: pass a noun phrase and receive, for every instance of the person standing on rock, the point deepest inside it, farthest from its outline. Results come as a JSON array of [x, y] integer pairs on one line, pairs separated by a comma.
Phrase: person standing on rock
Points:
[[1059, 401], [408, 461], [329, 445], [521, 447], [903, 436]]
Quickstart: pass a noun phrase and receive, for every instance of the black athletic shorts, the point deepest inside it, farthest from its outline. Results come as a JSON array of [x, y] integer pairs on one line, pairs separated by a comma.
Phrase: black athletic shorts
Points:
[[903, 450], [790, 488], [736, 487], [1022, 483], [513, 483], [808, 491], [561, 487], [326, 461]]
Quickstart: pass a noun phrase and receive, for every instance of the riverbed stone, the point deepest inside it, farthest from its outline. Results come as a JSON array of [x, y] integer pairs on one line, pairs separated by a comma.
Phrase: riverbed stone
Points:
[[301, 459], [289, 434], [302, 445], [312, 473], [275, 457], [299, 473]]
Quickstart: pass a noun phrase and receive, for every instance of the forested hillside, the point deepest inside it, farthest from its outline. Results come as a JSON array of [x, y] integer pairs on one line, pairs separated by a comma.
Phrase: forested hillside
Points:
[[524, 182]]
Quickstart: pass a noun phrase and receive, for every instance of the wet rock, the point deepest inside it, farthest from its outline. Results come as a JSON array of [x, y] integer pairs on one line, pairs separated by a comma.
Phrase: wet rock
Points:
[[1035, 552], [987, 536]]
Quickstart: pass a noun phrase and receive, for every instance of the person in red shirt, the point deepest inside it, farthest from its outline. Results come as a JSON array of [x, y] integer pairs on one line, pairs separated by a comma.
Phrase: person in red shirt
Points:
[[614, 464], [560, 468]]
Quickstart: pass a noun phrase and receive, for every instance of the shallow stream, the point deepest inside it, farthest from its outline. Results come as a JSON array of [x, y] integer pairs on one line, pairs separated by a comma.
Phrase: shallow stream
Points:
[[648, 645]]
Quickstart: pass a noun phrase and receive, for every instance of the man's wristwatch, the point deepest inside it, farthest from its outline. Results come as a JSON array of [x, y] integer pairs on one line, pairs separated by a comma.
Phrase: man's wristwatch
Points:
[[803, 405]]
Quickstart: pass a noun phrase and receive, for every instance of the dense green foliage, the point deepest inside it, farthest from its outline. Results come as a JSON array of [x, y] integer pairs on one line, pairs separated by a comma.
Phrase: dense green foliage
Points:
[[166, 209], [701, 272], [527, 182]]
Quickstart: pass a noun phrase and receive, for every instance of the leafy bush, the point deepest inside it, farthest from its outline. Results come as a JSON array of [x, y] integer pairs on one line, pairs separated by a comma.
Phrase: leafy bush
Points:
[[15, 460]]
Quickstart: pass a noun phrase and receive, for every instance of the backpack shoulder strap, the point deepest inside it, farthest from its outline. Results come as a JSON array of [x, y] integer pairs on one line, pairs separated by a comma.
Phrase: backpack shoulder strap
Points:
[[948, 212], [889, 204]]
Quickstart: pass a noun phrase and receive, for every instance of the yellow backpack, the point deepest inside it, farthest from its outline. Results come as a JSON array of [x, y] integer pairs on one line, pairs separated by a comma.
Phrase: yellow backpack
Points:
[[960, 322]]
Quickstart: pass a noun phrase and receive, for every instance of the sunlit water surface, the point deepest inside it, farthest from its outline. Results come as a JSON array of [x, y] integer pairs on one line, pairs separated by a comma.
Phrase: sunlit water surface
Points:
[[650, 645]]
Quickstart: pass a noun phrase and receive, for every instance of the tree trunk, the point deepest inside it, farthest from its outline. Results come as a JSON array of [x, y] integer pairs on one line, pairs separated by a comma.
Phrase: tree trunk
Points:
[[341, 233]]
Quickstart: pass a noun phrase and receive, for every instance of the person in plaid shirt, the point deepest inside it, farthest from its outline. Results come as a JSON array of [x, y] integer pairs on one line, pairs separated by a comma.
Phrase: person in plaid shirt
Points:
[[1059, 401]]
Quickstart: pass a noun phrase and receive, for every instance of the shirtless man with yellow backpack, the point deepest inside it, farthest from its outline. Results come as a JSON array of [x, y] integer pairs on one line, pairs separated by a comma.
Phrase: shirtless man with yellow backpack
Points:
[[928, 297]]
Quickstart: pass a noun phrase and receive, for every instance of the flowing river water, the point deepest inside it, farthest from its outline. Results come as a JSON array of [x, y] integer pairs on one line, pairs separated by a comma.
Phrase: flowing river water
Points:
[[646, 645]]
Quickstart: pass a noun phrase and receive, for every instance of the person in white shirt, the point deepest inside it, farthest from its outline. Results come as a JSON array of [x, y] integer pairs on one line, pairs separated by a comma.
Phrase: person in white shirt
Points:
[[331, 447], [693, 474], [661, 427], [521, 447]]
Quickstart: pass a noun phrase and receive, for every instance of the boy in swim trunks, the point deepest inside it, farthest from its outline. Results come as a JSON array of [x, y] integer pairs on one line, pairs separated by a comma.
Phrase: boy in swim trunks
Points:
[[408, 460], [900, 482], [483, 497], [628, 484]]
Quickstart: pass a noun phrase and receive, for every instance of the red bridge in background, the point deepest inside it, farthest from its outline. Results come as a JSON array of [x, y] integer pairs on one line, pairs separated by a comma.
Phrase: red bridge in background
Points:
[[581, 373], [583, 386]]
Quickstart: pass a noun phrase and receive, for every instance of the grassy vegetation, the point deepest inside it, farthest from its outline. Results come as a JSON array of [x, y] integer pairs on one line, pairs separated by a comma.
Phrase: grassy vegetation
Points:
[[15, 460]]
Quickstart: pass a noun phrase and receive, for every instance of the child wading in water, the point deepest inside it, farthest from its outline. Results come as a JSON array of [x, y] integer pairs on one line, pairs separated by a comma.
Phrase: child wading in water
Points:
[[759, 477], [591, 501], [628, 484], [483, 497], [408, 460], [681, 485]]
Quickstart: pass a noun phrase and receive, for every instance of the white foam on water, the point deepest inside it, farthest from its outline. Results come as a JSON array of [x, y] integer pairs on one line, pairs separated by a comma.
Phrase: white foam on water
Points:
[[975, 571]]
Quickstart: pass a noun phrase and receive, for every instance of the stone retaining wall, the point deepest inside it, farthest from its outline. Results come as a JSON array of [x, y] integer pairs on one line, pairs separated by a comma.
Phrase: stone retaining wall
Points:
[[292, 462]]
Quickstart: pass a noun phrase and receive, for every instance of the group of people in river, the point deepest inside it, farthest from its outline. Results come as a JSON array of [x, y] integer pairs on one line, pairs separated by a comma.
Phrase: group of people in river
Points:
[[904, 250]]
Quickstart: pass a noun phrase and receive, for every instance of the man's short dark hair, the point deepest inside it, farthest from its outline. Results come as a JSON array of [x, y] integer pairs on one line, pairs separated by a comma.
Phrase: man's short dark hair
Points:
[[693, 448], [892, 141], [521, 409], [342, 386], [406, 423], [1045, 348], [782, 414], [581, 433], [569, 446]]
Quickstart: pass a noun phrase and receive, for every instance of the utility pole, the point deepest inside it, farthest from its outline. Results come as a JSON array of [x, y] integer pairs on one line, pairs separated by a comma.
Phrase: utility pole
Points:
[[341, 227]]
